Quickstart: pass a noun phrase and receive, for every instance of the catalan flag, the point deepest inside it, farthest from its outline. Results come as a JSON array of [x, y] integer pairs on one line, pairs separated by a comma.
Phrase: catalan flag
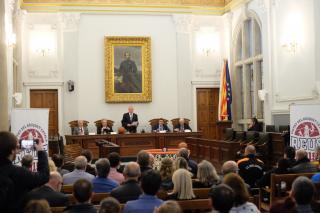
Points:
[[225, 97]]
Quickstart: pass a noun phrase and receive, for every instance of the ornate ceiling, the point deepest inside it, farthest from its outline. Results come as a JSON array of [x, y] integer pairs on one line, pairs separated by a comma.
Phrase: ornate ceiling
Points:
[[217, 7]]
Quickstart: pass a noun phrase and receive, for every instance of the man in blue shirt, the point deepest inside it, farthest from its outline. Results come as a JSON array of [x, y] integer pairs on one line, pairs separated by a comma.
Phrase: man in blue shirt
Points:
[[148, 201], [101, 183]]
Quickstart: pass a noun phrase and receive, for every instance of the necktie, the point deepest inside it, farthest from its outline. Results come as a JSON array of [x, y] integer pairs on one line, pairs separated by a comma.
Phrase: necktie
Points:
[[130, 116], [160, 128], [81, 131]]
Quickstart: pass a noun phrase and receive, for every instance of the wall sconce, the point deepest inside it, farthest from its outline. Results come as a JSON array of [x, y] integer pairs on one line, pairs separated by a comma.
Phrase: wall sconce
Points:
[[12, 40], [42, 42], [207, 41], [17, 97], [291, 45]]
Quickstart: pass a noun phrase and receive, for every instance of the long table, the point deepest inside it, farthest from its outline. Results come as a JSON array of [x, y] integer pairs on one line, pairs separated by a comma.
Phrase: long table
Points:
[[131, 144]]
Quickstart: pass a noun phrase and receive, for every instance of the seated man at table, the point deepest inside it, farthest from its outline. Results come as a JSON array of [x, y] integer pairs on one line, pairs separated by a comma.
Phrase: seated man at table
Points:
[[182, 126], [104, 129], [130, 120], [80, 129], [160, 127]]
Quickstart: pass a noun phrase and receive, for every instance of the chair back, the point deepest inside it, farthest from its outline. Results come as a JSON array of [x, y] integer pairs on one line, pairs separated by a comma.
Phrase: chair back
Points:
[[228, 134], [251, 136], [73, 124], [71, 151], [239, 136], [155, 121], [175, 121], [109, 123], [270, 128], [283, 128]]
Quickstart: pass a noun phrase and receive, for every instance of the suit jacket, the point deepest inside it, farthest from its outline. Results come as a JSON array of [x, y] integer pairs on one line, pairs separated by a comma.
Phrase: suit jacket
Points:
[[81, 208], [164, 127], [75, 175], [126, 120], [107, 131], [129, 190], [76, 131], [185, 126], [45, 192]]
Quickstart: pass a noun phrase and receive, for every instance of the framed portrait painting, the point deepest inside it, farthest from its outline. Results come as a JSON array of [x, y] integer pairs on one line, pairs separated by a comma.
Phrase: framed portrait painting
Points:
[[127, 69]]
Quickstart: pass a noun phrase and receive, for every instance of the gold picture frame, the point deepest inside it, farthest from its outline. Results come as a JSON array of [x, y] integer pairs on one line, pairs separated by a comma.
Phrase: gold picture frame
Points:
[[127, 69]]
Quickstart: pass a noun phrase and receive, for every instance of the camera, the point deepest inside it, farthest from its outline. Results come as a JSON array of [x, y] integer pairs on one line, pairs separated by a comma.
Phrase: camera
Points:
[[28, 144]]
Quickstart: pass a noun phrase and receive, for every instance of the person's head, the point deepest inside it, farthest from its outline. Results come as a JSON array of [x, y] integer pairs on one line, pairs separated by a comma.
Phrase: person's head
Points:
[[143, 158], [88, 154], [286, 206], [55, 181], [183, 152], [181, 121], [104, 123], [166, 168], [229, 167], [301, 154], [132, 171], [182, 145], [207, 173], [239, 188], [27, 161], [80, 123], [289, 152], [302, 190], [150, 182], [181, 163], [109, 205], [182, 184], [250, 150], [126, 55], [222, 198], [102, 167], [82, 190], [283, 164], [52, 166], [130, 109], [37, 206], [253, 121], [169, 206], [114, 159], [8, 146], [161, 122], [58, 160], [80, 163]]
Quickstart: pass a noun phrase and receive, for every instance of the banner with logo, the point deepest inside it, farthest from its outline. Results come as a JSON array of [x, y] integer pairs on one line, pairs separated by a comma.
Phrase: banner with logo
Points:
[[30, 126], [305, 128]]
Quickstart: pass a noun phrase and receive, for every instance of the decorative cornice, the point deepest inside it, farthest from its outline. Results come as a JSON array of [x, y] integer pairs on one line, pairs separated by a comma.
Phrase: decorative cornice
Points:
[[183, 23], [70, 21]]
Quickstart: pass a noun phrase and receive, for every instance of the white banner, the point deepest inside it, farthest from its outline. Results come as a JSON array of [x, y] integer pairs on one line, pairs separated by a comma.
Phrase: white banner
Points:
[[305, 128], [30, 125]]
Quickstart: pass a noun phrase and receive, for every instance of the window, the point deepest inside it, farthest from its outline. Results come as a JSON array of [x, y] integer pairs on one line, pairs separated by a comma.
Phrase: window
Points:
[[248, 70]]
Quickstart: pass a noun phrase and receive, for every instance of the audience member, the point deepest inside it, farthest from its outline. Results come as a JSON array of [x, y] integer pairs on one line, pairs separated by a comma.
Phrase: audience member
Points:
[[303, 164], [303, 191], [193, 167], [151, 160], [290, 155], [37, 206], [82, 192], [90, 167], [250, 167], [114, 159], [27, 161], [150, 184], [207, 175], [80, 164], [241, 204], [282, 168], [169, 206], [181, 163], [182, 185], [52, 166], [109, 205], [143, 161], [17, 181], [166, 172], [286, 206], [102, 183], [222, 198], [59, 162], [229, 167], [130, 189], [50, 191]]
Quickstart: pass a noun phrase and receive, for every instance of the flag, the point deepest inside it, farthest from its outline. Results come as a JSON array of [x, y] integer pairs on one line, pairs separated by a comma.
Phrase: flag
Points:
[[225, 97]]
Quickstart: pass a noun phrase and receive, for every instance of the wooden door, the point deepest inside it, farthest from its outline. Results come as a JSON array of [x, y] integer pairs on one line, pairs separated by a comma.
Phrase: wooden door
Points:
[[47, 99], [207, 111]]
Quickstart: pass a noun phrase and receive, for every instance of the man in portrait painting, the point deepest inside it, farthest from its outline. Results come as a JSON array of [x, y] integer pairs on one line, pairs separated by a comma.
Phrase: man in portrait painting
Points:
[[128, 77]]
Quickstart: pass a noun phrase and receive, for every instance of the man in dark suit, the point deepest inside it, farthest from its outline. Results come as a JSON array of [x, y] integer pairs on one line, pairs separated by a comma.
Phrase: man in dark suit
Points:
[[130, 189], [130, 120], [104, 129], [50, 192], [161, 126], [182, 126], [81, 129]]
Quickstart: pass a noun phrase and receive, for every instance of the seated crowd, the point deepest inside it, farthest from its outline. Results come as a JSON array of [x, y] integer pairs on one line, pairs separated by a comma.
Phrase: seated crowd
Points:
[[139, 188]]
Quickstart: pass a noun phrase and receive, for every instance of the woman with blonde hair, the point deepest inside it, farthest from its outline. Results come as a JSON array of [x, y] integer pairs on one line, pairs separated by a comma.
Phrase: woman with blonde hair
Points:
[[182, 185], [166, 172], [206, 176]]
